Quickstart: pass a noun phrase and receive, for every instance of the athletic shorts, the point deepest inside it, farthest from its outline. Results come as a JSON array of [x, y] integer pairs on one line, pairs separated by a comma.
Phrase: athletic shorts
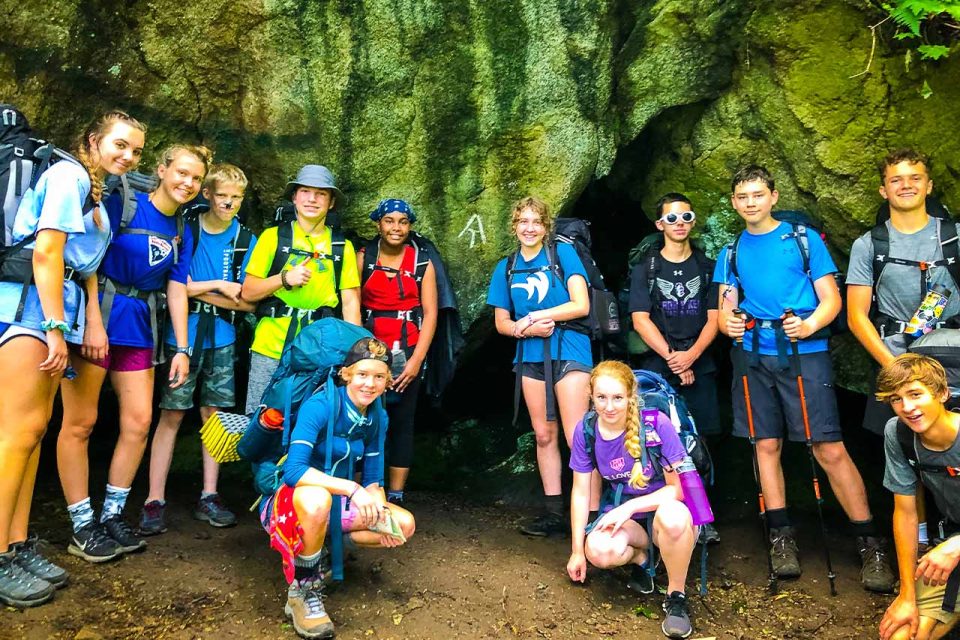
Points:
[[775, 399], [701, 396], [929, 601], [348, 513], [261, 371], [560, 368], [10, 331], [121, 358], [215, 374]]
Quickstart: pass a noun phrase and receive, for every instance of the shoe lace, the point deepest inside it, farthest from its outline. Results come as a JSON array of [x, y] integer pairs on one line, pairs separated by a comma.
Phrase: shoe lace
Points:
[[214, 503], [313, 601], [784, 545], [120, 527], [873, 556], [675, 605]]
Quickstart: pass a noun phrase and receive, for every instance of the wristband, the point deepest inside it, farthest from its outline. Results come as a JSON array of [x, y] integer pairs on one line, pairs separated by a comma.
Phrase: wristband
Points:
[[50, 324], [185, 350], [283, 280]]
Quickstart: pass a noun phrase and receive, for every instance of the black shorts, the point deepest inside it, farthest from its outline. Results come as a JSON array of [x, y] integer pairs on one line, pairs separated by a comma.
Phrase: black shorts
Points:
[[775, 399], [560, 368], [701, 396]]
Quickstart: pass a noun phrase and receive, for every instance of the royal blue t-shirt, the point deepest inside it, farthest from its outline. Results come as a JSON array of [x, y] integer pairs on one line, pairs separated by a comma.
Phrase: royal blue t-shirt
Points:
[[144, 262], [213, 260], [542, 290], [772, 279]]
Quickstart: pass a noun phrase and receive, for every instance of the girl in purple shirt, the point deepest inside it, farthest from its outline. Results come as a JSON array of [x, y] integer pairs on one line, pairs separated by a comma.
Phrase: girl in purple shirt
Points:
[[639, 480]]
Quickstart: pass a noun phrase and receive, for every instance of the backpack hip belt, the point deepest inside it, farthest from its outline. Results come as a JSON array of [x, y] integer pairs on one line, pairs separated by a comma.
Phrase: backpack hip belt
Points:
[[888, 326], [156, 300], [206, 327], [205, 308], [276, 308], [17, 266]]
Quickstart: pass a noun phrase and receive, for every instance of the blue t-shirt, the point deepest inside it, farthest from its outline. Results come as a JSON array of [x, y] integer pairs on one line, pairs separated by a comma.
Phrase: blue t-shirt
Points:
[[213, 260], [144, 262], [355, 438], [772, 279], [542, 290], [57, 203]]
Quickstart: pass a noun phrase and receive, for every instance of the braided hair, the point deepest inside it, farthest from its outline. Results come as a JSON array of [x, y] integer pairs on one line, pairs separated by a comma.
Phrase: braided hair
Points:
[[631, 440], [88, 153]]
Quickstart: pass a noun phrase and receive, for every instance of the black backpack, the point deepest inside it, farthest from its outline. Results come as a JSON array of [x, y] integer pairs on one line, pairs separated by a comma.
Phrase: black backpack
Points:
[[802, 224], [604, 316]]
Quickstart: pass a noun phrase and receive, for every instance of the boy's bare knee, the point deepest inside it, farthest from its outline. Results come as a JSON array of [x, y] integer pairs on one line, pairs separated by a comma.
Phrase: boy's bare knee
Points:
[[829, 454]]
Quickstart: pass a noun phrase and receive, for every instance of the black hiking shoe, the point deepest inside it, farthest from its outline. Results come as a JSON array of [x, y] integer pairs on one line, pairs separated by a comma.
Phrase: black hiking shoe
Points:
[[93, 544], [676, 622], [545, 525], [31, 561], [20, 588], [875, 574], [640, 580], [783, 553], [127, 541]]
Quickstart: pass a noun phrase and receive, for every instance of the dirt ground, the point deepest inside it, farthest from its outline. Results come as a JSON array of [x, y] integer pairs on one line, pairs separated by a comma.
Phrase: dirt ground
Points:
[[466, 574]]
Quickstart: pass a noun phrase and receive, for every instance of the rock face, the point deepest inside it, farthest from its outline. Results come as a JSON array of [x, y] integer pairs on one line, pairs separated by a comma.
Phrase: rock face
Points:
[[463, 106]]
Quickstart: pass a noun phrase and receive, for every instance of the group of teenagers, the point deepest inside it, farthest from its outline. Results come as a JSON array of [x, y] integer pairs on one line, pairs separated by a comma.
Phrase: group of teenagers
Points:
[[119, 284]]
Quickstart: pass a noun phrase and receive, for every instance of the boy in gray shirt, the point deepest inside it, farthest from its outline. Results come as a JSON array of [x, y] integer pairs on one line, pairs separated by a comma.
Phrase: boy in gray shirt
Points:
[[922, 448]]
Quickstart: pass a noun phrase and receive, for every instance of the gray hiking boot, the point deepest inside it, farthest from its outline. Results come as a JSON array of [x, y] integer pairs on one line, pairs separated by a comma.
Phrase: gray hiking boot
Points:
[[305, 609], [212, 510], [676, 621], [31, 561], [19, 588], [876, 574], [783, 553]]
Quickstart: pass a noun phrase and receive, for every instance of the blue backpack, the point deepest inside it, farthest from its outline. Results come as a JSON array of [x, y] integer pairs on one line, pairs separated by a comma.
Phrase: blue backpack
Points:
[[307, 366]]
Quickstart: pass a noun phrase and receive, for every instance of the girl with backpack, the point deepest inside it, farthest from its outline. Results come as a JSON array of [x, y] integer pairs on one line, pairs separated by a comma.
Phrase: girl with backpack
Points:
[[298, 515], [70, 232], [398, 298], [533, 305], [149, 256], [636, 455]]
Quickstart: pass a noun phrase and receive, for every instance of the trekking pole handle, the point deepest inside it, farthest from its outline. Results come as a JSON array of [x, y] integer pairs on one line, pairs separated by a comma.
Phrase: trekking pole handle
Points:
[[789, 313], [748, 321]]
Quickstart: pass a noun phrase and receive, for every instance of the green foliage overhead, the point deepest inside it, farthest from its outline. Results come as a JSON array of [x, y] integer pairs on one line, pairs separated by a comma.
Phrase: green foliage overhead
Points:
[[923, 19]]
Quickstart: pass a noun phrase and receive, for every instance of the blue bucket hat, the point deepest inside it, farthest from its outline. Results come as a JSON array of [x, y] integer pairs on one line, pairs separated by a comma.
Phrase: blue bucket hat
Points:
[[318, 177], [393, 205]]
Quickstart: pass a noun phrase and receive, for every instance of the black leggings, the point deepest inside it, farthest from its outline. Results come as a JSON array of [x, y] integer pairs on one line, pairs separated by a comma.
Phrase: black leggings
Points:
[[400, 430]]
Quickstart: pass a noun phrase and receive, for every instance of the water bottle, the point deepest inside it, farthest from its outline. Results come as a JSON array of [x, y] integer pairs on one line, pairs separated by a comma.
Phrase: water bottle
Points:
[[399, 359], [271, 419], [929, 311], [694, 495]]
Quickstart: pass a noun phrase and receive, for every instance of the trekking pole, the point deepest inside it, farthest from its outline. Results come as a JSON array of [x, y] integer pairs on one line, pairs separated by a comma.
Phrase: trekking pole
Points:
[[795, 347], [764, 529]]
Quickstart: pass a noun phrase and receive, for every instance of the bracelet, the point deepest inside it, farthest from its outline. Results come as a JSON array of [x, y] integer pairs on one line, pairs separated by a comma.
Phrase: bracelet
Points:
[[50, 324], [185, 350], [283, 280]]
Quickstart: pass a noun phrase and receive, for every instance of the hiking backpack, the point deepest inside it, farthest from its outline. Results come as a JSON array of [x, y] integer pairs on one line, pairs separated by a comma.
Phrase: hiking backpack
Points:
[[801, 225], [308, 365]]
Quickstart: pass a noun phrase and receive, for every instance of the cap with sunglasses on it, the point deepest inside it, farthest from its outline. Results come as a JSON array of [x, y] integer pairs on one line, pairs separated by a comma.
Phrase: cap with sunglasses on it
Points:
[[674, 218]]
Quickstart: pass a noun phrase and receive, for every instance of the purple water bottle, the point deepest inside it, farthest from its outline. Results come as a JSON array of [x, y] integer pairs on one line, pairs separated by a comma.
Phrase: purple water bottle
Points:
[[694, 495]]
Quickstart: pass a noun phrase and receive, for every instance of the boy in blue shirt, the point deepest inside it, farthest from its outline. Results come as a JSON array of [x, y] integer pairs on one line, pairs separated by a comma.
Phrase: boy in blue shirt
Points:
[[768, 278], [214, 284]]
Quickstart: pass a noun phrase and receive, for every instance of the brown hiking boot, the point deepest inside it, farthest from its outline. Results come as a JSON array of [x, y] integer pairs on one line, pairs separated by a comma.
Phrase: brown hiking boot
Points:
[[876, 574], [305, 609], [784, 555]]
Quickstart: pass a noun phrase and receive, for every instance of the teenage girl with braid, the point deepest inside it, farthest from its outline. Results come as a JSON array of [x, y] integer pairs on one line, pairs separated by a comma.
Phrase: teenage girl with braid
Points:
[[639, 481], [63, 214]]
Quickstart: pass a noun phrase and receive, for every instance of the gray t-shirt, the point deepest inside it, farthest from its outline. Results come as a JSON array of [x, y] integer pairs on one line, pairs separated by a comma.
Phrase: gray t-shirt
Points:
[[898, 475], [898, 290]]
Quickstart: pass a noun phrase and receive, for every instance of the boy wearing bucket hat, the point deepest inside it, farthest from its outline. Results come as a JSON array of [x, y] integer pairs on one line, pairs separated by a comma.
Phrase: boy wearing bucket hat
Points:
[[299, 272]]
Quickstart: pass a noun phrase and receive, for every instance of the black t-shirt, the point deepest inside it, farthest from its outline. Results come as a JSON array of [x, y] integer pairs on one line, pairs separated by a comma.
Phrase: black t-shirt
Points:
[[682, 290]]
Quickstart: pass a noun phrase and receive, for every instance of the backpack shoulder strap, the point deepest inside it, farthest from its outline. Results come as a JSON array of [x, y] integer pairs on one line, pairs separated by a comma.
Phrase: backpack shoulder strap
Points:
[[802, 239], [880, 237], [421, 257], [553, 261], [590, 435], [653, 269], [129, 196], [337, 244], [284, 243], [732, 258], [371, 253], [194, 224], [241, 245], [947, 231], [706, 266], [508, 271], [905, 440]]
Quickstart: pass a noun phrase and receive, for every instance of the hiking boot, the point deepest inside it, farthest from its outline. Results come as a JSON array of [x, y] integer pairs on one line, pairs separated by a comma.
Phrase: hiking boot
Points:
[[676, 621], [783, 553], [153, 520], [305, 609], [876, 574], [640, 579], [708, 534], [93, 544], [20, 588], [545, 525], [30, 560], [127, 541], [211, 510]]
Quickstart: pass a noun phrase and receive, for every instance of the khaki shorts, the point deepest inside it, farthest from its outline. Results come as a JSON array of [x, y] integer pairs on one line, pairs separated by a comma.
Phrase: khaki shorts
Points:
[[929, 600]]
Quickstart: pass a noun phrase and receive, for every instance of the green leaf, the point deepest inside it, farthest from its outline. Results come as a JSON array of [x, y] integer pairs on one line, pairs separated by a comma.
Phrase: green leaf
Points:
[[646, 612], [907, 59], [926, 91], [933, 51]]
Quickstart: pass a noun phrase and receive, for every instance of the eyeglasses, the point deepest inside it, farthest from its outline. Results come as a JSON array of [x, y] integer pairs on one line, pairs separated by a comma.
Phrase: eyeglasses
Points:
[[674, 218]]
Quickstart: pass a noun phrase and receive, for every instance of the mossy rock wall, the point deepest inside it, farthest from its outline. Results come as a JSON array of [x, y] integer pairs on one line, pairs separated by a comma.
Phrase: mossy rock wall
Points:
[[463, 106]]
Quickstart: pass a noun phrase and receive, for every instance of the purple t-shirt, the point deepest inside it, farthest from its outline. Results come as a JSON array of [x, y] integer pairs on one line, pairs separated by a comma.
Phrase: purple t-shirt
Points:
[[615, 463]]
